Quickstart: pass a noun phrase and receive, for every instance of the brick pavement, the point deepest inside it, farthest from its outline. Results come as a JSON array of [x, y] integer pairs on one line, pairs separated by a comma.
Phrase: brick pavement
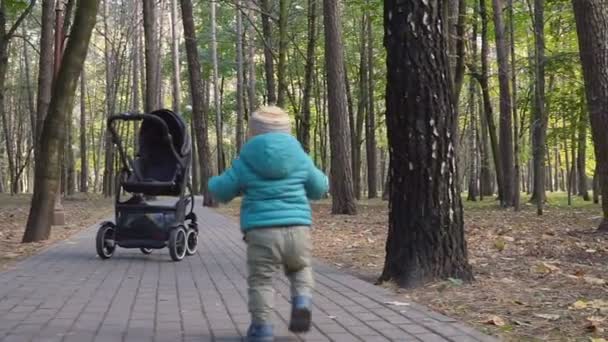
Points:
[[66, 293]]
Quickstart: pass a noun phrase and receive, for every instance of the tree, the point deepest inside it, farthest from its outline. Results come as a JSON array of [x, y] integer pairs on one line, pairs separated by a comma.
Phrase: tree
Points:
[[283, 40], [197, 91], [152, 56], [539, 125], [370, 122], [47, 174], [84, 162], [266, 10], [426, 230], [581, 158], [175, 57], [592, 26], [240, 83], [341, 184], [506, 127], [216, 91], [306, 115]]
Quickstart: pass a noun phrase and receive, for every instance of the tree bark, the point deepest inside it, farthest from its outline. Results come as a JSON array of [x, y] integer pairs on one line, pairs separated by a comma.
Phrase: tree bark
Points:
[[306, 116], [581, 160], [251, 72], [370, 122], [591, 22], [84, 162], [596, 187], [240, 84], [487, 102], [266, 10], [152, 55], [175, 57], [282, 67], [62, 100], [426, 230], [516, 128], [197, 91], [216, 91], [539, 125], [506, 126], [343, 197]]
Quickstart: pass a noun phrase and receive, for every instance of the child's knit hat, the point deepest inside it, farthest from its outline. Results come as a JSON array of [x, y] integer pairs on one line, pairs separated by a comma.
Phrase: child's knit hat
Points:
[[269, 119]]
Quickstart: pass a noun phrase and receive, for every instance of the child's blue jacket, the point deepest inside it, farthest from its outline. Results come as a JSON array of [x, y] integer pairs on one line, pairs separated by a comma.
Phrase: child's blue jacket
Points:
[[277, 179]]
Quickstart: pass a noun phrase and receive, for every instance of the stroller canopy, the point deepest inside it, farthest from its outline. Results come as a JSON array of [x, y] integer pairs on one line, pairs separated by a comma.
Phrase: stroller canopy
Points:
[[151, 134], [158, 169]]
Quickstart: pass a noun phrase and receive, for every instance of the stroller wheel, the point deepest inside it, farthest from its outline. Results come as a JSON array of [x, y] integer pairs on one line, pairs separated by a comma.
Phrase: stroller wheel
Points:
[[146, 251], [178, 244], [105, 241], [192, 241]]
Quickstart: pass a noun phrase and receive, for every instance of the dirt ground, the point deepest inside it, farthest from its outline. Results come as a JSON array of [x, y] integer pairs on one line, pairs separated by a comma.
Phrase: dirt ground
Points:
[[80, 211], [536, 278]]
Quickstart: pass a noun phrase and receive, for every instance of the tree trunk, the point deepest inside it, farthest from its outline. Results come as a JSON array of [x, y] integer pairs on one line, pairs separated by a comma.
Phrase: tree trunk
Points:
[[362, 107], [282, 67], [240, 84], [460, 50], [517, 172], [506, 126], [487, 102], [251, 72], [266, 10], [45, 70], [216, 91], [473, 184], [596, 187], [84, 162], [47, 170], [581, 160], [426, 230], [175, 57], [539, 125], [197, 91], [343, 197], [306, 116], [370, 123], [152, 56], [591, 22]]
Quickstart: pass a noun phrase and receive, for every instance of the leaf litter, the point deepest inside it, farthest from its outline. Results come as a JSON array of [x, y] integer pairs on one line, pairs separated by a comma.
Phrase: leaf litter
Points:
[[530, 280], [80, 212]]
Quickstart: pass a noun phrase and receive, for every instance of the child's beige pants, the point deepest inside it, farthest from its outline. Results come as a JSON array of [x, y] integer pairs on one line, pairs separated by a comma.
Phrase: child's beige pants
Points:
[[267, 250]]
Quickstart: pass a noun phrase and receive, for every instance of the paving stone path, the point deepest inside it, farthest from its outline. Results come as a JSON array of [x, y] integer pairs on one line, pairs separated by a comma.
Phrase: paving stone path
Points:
[[67, 293]]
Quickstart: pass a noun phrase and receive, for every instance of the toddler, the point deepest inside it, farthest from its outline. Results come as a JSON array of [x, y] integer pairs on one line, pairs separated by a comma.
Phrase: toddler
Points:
[[277, 180]]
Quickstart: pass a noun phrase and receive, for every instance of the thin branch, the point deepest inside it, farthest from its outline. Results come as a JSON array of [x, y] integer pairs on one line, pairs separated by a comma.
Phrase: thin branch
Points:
[[22, 17]]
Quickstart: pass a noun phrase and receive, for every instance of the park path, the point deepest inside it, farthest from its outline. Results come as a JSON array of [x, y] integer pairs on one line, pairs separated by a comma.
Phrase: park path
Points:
[[67, 293]]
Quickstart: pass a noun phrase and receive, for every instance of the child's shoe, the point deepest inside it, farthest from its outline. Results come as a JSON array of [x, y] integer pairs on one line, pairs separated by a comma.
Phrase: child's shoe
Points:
[[300, 314], [260, 333]]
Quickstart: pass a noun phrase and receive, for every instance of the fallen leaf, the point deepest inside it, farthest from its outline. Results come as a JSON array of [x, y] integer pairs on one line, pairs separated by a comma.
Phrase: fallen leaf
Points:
[[497, 321], [545, 268], [579, 305], [508, 238], [455, 281], [597, 339], [500, 245], [550, 317]]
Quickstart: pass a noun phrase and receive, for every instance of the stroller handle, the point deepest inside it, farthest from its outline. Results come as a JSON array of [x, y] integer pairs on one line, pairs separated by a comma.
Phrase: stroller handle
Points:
[[138, 117]]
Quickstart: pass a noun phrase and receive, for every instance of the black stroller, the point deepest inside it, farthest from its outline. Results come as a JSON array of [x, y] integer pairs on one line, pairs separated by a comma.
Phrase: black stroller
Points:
[[161, 168]]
